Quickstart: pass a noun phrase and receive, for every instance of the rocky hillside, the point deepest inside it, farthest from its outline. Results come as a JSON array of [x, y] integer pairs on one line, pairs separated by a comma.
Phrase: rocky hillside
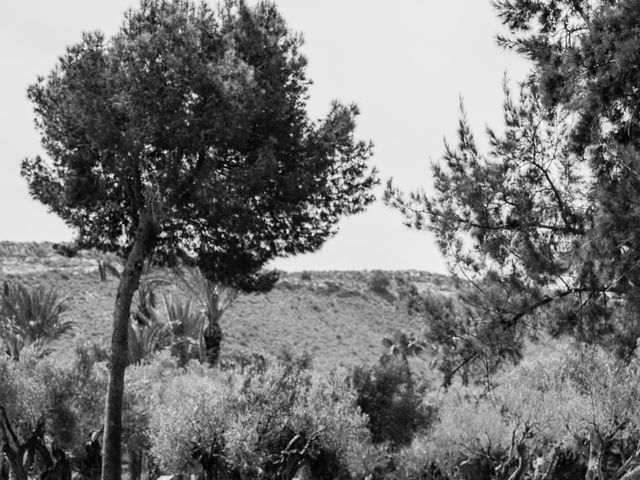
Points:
[[337, 317]]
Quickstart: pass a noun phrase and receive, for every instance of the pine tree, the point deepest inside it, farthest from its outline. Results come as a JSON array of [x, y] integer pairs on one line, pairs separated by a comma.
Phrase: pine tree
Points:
[[185, 137], [546, 219]]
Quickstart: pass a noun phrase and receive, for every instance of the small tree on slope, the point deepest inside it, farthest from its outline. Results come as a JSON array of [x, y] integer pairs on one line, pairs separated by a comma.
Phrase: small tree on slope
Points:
[[186, 136]]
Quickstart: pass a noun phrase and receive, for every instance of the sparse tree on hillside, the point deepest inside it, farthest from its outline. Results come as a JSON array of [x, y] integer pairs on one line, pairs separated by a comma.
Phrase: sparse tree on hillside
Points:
[[186, 136]]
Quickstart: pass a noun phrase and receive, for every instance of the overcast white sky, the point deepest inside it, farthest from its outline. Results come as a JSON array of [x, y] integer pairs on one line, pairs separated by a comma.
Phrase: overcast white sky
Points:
[[405, 63]]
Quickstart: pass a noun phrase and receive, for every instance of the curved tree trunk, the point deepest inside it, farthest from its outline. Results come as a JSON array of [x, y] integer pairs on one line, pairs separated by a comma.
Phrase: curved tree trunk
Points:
[[521, 450], [140, 250]]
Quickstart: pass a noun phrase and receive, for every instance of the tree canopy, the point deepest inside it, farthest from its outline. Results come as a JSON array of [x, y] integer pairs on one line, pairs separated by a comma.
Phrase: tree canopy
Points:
[[198, 117], [546, 218]]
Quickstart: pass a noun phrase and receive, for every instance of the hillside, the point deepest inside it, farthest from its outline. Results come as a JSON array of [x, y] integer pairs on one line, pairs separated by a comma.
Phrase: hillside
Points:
[[335, 316]]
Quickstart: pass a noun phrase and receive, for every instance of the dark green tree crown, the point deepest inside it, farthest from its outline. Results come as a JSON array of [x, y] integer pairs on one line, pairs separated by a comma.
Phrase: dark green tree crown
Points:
[[197, 118]]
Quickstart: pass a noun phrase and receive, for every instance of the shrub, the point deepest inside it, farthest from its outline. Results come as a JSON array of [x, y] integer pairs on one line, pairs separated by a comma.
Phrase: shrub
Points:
[[289, 358], [379, 282], [386, 396], [567, 411], [470, 432], [265, 424], [306, 276], [61, 394]]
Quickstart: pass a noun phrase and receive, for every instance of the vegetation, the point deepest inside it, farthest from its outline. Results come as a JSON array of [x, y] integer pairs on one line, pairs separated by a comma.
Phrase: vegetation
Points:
[[186, 136], [30, 317], [338, 326], [539, 225], [525, 366]]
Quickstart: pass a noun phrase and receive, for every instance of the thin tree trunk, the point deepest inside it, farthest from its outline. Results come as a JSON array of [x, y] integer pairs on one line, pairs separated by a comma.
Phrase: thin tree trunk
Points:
[[135, 463], [521, 450], [213, 339], [4, 468], [596, 457], [140, 250]]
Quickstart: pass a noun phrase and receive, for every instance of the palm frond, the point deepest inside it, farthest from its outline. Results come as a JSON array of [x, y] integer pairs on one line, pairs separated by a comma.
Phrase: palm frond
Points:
[[30, 316]]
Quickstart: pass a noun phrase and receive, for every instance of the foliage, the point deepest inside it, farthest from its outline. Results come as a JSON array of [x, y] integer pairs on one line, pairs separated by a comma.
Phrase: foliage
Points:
[[467, 340], [145, 383], [385, 394], [379, 282], [470, 429], [290, 359], [259, 424], [187, 321], [173, 115], [305, 275], [564, 413], [213, 299], [186, 135], [30, 316], [593, 389], [67, 391], [543, 217]]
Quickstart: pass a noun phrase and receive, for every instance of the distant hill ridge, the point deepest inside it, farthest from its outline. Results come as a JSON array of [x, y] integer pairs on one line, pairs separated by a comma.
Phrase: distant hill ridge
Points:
[[339, 317]]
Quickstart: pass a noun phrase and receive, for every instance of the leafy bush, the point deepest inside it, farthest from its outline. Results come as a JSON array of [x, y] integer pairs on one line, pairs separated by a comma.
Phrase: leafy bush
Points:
[[62, 397], [379, 282], [566, 413], [470, 430], [265, 425], [385, 394], [305, 275]]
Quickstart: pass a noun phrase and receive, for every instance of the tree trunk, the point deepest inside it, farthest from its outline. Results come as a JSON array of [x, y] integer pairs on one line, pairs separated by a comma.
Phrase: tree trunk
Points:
[[521, 450], [135, 463], [140, 250], [213, 339], [596, 457], [4, 468], [21, 455]]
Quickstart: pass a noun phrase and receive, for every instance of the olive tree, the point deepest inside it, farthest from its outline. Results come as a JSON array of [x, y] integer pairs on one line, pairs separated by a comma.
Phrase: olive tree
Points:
[[186, 136]]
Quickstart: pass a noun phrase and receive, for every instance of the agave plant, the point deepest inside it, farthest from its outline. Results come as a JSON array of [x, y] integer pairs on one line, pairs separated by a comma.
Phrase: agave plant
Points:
[[188, 325], [30, 317], [146, 339], [148, 332]]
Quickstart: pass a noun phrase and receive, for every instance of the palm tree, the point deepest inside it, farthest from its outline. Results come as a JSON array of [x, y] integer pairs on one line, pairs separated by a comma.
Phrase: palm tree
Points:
[[188, 325], [192, 317], [148, 332], [213, 300]]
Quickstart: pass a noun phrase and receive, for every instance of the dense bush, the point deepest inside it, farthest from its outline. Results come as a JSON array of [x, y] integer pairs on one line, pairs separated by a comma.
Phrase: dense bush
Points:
[[263, 425], [68, 390], [564, 415], [379, 282], [53, 403], [386, 395]]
